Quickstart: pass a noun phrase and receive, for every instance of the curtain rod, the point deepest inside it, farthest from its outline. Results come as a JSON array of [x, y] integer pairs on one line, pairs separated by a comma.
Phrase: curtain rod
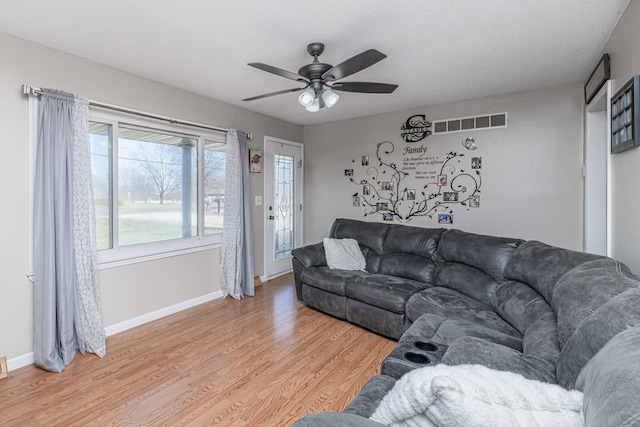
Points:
[[36, 91]]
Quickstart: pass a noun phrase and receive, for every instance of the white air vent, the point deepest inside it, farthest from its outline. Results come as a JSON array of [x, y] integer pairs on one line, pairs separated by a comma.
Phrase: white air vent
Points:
[[465, 124]]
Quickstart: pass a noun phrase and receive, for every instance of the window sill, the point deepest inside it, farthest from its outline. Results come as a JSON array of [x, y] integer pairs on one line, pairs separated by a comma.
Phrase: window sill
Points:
[[149, 252]]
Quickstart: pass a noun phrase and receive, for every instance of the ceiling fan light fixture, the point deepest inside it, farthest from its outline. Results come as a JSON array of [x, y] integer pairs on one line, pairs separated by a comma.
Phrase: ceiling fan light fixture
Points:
[[319, 77], [307, 97], [314, 107], [330, 98]]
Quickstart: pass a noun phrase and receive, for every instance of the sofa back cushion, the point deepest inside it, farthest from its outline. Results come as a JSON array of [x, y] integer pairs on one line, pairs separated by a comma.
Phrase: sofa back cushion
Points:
[[370, 236], [533, 317], [409, 252], [611, 382], [540, 341], [540, 265], [486, 253], [467, 280], [613, 317], [412, 240], [409, 266], [519, 304], [584, 289]]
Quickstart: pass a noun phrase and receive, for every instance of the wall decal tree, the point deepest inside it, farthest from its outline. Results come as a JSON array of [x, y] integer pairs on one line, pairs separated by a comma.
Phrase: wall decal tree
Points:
[[386, 193]]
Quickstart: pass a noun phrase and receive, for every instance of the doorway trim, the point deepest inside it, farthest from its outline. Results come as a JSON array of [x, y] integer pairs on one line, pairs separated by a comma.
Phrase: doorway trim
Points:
[[597, 174], [265, 213]]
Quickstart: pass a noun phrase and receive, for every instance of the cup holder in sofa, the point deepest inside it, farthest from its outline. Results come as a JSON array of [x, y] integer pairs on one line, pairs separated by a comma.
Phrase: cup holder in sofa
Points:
[[417, 358], [425, 346]]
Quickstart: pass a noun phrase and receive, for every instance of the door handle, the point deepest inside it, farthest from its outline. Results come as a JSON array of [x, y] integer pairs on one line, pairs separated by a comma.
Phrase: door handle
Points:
[[271, 217]]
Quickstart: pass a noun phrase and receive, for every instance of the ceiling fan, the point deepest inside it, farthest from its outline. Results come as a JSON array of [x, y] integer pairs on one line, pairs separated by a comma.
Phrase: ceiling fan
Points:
[[320, 78]]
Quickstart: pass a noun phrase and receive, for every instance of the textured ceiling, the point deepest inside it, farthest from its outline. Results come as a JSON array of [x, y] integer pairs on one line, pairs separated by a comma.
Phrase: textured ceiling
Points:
[[438, 51]]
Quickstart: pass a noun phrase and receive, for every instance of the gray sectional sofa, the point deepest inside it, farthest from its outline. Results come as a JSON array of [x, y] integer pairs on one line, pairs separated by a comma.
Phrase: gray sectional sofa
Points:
[[547, 313]]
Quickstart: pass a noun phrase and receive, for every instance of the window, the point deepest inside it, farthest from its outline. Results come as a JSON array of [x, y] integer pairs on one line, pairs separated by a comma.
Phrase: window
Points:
[[156, 188]]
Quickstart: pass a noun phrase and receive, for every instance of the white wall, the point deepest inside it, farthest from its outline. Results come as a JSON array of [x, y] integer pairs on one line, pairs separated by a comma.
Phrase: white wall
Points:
[[624, 49], [127, 291], [532, 171]]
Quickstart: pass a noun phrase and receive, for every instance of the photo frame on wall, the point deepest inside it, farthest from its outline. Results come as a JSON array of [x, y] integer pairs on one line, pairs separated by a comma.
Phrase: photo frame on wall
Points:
[[625, 116], [255, 161], [598, 77], [445, 219]]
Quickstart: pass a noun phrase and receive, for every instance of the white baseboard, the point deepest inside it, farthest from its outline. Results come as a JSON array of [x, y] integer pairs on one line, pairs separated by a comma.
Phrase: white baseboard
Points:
[[29, 359], [266, 278], [155, 315], [20, 361]]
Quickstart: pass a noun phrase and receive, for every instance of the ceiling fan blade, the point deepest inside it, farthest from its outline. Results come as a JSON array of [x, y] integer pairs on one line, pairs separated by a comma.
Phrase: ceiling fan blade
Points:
[[353, 65], [364, 87], [280, 92], [277, 71]]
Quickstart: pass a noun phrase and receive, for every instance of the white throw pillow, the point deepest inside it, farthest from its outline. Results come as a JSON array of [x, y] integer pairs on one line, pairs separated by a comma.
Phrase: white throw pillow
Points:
[[343, 254], [474, 395]]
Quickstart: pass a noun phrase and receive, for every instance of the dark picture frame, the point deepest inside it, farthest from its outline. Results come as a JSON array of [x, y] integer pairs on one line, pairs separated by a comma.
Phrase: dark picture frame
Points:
[[598, 77], [625, 117]]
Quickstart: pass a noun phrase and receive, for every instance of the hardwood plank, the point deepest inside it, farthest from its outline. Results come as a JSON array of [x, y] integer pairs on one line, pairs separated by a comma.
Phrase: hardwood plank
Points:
[[266, 360]]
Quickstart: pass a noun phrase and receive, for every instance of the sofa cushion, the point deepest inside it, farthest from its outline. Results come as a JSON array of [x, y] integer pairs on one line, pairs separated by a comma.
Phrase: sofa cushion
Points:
[[388, 292], [334, 281], [472, 350], [620, 313], [540, 265], [519, 304], [343, 254], [370, 235], [585, 288], [487, 253], [453, 305], [409, 266], [610, 382], [412, 240], [537, 352], [467, 280]]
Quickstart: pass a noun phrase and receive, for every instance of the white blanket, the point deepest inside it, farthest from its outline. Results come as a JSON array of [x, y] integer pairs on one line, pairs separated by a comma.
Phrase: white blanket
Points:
[[473, 395]]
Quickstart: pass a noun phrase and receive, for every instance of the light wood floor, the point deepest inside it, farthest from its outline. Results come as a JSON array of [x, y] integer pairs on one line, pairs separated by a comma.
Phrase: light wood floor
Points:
[[261, 361]]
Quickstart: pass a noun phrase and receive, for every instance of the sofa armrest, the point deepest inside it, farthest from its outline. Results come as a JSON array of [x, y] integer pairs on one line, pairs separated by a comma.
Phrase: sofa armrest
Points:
[[333, 419], [310, 255]]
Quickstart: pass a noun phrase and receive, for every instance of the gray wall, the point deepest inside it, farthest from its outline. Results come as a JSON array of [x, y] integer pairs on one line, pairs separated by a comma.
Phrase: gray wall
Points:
[[624, 49], [531, 172], [127, 291]]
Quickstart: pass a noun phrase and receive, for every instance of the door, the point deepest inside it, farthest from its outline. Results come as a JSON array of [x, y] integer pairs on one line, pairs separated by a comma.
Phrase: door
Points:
[[283, 204]]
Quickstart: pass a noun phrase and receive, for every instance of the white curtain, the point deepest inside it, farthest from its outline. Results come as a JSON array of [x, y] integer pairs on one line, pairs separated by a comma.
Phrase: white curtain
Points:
[[67, 314], [236, 266], [84, 235]]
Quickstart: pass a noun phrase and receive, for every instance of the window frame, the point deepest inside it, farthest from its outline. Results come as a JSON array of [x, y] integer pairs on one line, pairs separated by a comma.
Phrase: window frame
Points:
[[123, 255]]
